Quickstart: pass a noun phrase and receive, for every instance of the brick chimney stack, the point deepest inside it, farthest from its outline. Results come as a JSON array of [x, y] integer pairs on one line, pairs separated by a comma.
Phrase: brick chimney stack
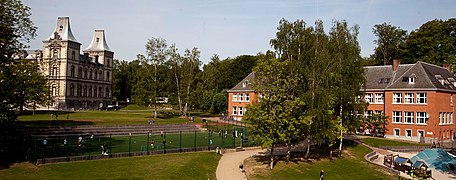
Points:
[[396, 63], [447, 66]]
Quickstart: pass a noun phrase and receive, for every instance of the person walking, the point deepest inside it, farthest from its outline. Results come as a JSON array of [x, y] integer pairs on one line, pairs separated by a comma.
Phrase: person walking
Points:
[[322, 174]]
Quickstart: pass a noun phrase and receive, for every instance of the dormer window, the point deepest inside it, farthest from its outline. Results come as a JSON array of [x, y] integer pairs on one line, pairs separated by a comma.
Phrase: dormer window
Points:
[[244, 84], [61, 28], [98, 39], [440, 79], [411, 79]]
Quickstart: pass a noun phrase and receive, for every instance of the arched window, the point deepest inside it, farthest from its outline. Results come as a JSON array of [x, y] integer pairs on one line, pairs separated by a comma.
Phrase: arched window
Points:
[[96, 59], [79, 91], [107, 93], [107, 76], [90, 73], [72, 71], [73, 55], [107, 62], [85, 91], [80, 73], [71, 90], [95, 91], [85, 73], [90, 91], [100, 92], [54, 90], [101, 75], [96, 75]]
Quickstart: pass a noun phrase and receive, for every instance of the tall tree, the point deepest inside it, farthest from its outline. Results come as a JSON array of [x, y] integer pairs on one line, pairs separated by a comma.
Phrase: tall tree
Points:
[[390, 40], [156, 51], [16, 28], [434, 42], [348, 77], [190, 69]]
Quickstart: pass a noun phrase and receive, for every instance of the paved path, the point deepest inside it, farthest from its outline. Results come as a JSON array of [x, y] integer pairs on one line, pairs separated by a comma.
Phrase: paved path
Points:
[[228, 166]]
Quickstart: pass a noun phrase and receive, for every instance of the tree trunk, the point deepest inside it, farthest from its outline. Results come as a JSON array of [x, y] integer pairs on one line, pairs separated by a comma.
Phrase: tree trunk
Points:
[[341, 136], [186, 101], [288, 151], [155, 110], [178, 93], [272, 157], [308, 147]]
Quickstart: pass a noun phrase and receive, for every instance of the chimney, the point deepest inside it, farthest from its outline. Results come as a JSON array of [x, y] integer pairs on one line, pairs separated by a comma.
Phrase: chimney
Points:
[[396, 63], [447, 66]]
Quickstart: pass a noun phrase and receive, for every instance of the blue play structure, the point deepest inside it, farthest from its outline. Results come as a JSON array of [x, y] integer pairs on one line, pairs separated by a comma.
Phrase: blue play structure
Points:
[[438, 159]]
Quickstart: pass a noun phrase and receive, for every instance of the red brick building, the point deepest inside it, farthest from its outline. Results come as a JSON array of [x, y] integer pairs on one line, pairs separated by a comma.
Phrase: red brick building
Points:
[[417, 98], [240, 96]]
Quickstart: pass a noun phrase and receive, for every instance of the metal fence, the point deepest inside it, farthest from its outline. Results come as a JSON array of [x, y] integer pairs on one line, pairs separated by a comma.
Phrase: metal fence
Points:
[[42, 149]]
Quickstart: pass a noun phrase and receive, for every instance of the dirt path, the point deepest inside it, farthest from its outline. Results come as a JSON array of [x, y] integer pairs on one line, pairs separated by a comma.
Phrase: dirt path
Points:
[[228, 166]]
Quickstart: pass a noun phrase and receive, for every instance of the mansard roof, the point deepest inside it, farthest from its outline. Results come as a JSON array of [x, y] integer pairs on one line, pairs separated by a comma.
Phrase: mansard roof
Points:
[[98, 42], [245, 84], [425, 77], [63, 31]]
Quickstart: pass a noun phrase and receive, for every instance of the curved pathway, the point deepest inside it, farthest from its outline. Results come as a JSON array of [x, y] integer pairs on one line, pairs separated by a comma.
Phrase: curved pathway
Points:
[[228, 166]]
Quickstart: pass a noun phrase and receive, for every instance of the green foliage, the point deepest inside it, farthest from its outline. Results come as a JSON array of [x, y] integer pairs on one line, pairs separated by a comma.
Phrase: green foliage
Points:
[[219, 103], [15, 29], [376, 123], [390, 40], [434, 42]]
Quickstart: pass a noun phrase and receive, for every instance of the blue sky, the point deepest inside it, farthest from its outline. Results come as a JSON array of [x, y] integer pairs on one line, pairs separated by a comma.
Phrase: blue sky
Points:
[[226, 28]]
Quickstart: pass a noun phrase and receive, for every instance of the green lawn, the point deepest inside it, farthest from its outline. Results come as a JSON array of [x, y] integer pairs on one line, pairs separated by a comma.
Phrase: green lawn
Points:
[[351, 166], [170, 166], [377, 142], [122, 117]]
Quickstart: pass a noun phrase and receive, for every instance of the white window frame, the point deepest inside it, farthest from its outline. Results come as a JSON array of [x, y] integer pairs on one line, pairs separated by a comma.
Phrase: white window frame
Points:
[[234, 110], [420, 117], [378, 112], [409, 98], [397, 115], [247, 97], [411, 80], [406, 133], [397, 98], [368, 113], [241, 112], [408, 117], [379, 98], [419, 97], [398, 134], [241, 97], [368, 97], [235, 97], [441, 118]]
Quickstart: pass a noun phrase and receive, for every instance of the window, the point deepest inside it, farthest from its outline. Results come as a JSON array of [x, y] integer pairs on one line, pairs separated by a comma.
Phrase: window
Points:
[[234, 110], [90, 91], [241, 97], [451, 118], [397, 116], [411, 80], [54, 90], [397, 98], [85, 73], [100, 91], [71, 90], [96, 59], [369, 114], [421, 98], [408, 133], [90, 74], [244, 84], [72, 71], [421, 117], [85, 91], [107, 93], [420, 133], [80, 72], [397, 132], [73, 55], [379, 98], [101, 75], [96, 75], [409, 98], [79, 91], [368, 98], [234, 97], [95, 91], [247, 97], [107, 76], [408, 117], [240, 111], [108, 62], [441, 116], [378, 112]]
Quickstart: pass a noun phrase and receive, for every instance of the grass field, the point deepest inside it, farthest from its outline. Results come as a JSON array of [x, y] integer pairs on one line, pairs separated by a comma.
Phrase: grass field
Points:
[[121, 117], [377, 142], [170, 166], [351, 166]]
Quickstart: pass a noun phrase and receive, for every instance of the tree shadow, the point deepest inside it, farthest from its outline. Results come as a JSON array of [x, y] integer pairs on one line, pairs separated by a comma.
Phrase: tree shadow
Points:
[[53, 123]]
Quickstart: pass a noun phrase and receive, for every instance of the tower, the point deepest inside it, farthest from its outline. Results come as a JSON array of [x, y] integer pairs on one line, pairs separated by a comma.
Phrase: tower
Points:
[[60, 51]]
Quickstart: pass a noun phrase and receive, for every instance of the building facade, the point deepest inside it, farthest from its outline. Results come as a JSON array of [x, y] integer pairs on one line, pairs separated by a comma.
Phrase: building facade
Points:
[[416, 98], [77, 81], [240, 96]]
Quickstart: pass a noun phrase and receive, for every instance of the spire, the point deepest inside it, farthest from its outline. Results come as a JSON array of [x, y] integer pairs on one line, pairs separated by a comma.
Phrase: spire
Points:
[[98, 42], [63, 30]]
